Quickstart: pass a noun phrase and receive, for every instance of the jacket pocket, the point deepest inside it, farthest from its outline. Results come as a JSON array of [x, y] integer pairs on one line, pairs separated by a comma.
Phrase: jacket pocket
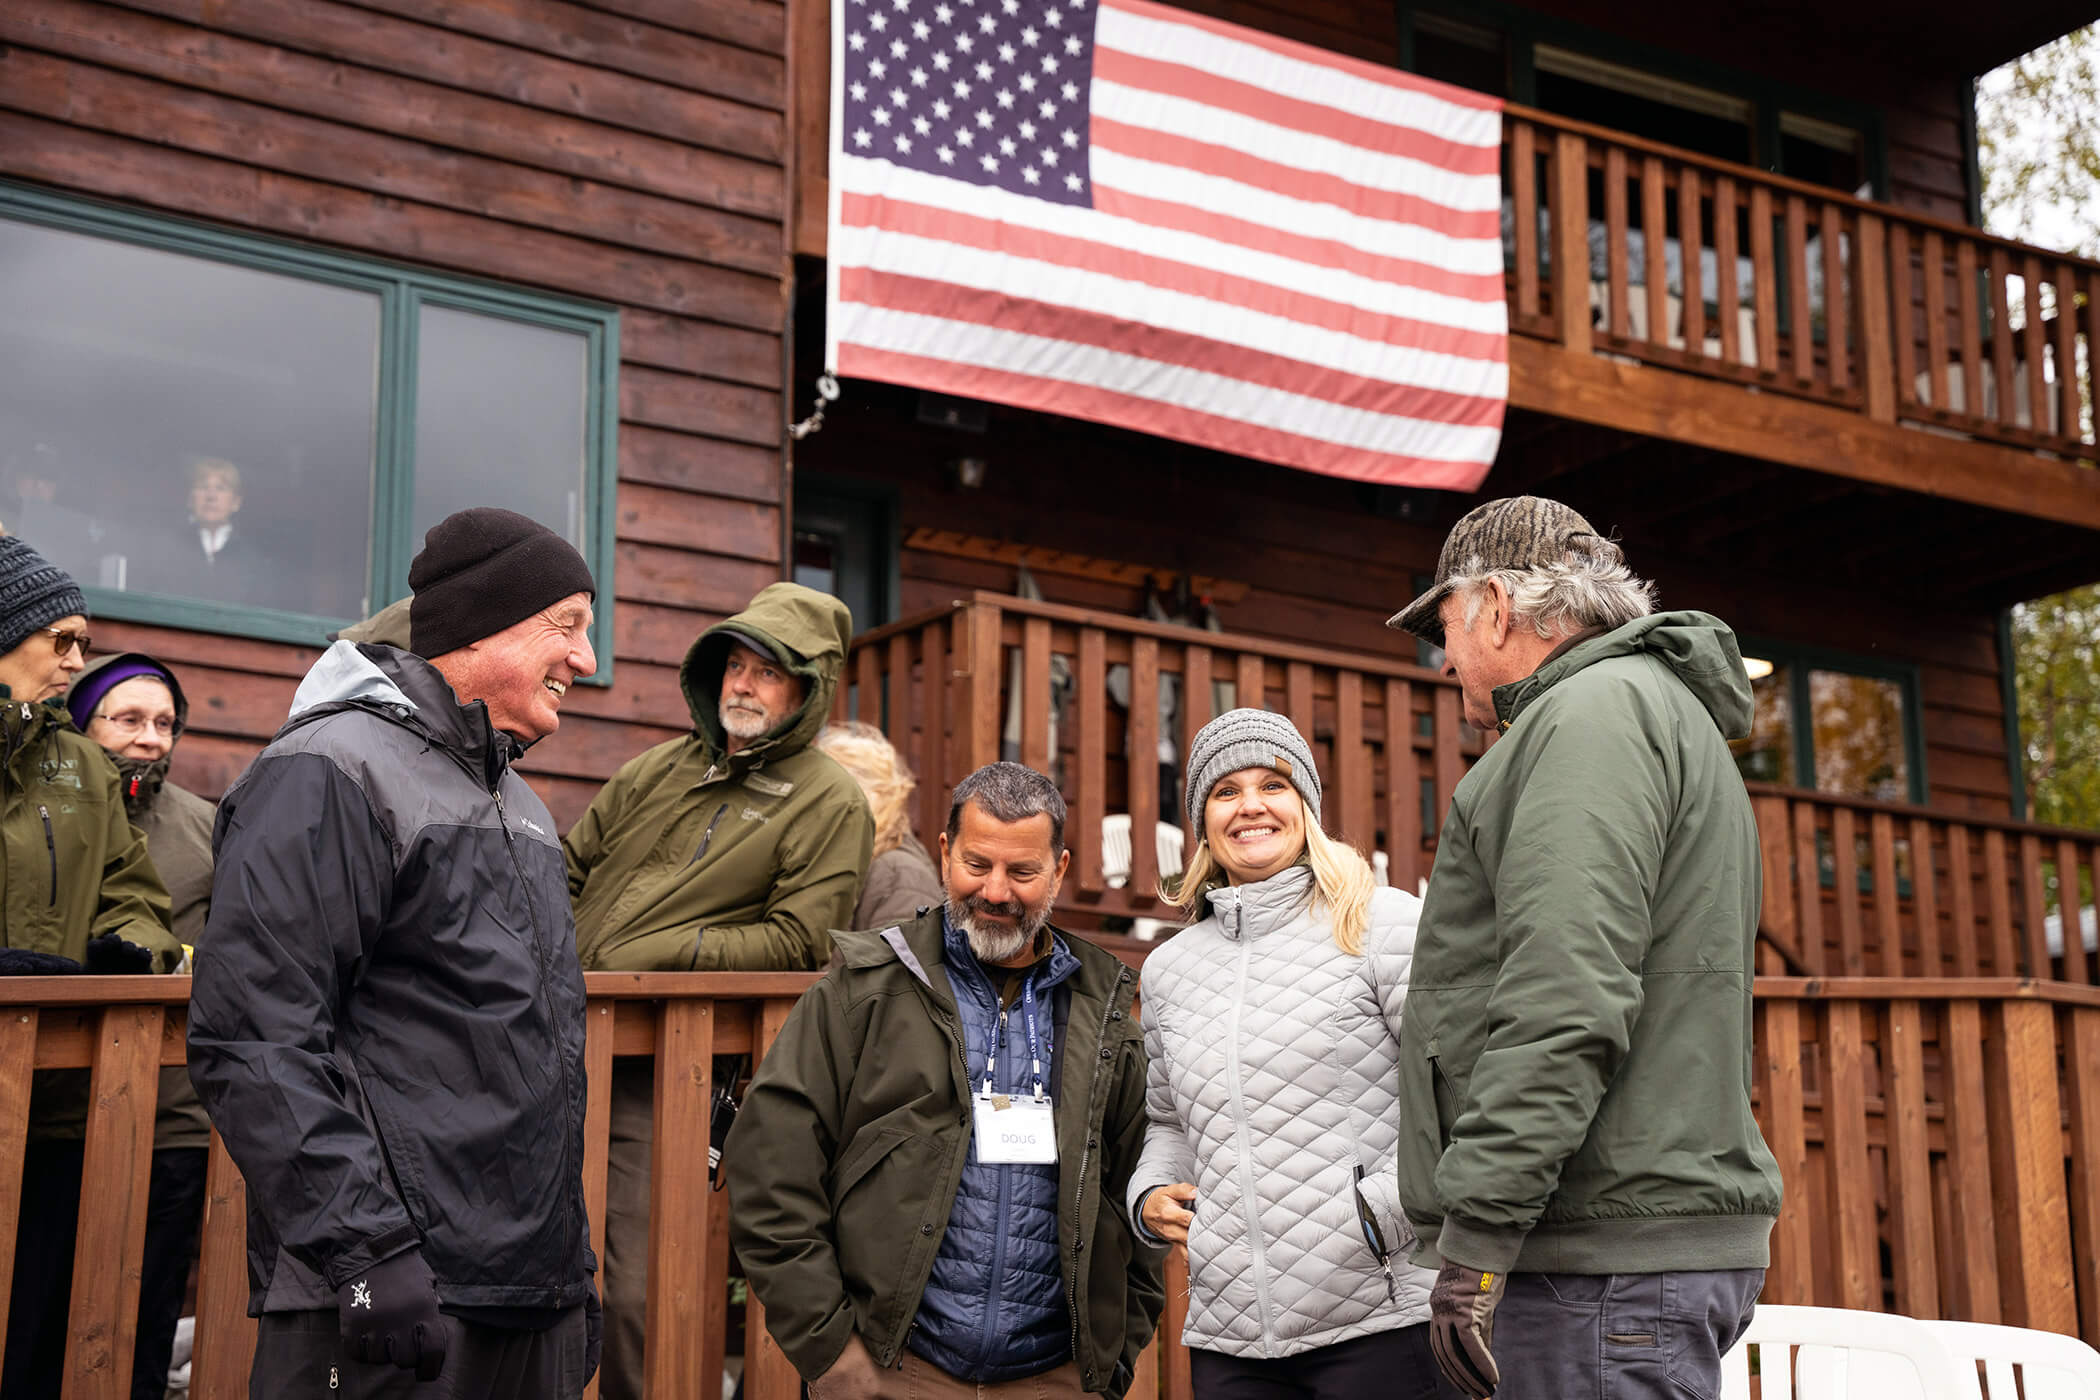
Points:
[[863, 1157], [884, 1219]]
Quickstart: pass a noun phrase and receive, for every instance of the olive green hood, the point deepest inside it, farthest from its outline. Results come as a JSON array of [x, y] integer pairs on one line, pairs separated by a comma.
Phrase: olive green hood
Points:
[[806, 631], [1698, 647]]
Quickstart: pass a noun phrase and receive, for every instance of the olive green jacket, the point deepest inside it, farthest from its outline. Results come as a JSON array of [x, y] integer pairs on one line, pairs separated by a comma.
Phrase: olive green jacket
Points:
[[844, 1163], [692, 858], [1575, 1048]]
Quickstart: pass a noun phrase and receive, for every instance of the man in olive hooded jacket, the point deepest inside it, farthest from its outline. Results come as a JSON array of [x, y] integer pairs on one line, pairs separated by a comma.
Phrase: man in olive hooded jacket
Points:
[[1578, 1151], [736, 848]]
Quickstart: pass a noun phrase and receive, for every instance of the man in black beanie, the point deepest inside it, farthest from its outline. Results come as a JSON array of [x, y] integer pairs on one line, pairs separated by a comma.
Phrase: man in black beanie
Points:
[[387, 1028]]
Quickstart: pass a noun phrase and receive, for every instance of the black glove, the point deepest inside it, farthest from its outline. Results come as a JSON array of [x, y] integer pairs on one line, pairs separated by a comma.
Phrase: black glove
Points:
[[390, 1313], [109, 953], [593, 1333], [26, 962], [1462, 1327]]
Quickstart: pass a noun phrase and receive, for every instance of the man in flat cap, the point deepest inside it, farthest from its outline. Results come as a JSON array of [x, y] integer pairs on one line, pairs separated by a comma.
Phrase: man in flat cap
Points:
[[1577, 1150], [387, 1020]]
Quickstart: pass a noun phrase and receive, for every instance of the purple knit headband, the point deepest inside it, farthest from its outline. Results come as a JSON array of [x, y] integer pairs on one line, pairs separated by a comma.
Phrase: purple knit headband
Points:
[[90, 692]]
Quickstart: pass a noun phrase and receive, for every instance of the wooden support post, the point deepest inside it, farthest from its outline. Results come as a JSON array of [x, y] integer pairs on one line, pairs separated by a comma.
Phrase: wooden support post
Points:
[[1786, 1133], [17, 1061], [110, 1245], [1524, 204], [2034, 1228], [768, 1374], [984, 671], [1035, 693], [1969, 1166], [679, 1277], [1911, 1248], [1569, 210], [1856, 1261], [597, 1131], [224, 1350]]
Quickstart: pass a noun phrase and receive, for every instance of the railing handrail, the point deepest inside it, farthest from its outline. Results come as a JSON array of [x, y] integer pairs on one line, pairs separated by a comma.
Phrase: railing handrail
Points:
[[1912, 810], [1922, 989], [1820, 193], [173, 990]]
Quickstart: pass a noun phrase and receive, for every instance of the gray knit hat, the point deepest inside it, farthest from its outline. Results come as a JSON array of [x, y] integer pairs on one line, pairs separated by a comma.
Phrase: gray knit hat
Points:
[[1248, 739], [1515, 532], [34, 593]]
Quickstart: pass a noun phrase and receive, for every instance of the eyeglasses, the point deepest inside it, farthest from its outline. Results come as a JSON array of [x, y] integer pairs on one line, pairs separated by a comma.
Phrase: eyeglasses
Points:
[[63, 641], [131, 722]]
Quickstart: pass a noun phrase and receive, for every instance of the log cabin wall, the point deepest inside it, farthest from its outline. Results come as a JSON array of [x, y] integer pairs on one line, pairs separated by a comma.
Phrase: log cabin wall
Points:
[[627, 151]]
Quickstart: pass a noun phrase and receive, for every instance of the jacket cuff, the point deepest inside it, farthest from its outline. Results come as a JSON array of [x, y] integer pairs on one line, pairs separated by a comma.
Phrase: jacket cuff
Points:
[[1137, 1218], [1478, 1246], [358, 1260], [821, 1352]]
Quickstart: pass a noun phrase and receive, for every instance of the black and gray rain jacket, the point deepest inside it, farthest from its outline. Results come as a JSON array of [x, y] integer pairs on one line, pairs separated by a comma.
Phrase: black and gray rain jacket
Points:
[[386, 1023]]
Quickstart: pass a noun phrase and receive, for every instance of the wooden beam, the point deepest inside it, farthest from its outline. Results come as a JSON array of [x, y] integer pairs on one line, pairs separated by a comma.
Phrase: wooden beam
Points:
[[1796, 433]]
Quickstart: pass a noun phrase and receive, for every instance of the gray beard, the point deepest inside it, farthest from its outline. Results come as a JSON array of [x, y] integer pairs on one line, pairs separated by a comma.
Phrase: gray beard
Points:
[[743, 724], [991, 943]]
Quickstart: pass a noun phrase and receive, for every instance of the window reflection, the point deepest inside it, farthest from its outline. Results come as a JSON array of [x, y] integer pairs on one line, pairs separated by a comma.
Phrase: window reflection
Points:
[[1859, 736], [175, 425], [1767, 756]]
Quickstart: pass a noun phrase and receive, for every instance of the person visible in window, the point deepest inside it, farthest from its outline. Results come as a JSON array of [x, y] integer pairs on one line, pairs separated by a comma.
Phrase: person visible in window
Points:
[[134, 708], [923, 1181], [737, 847], [80, 893], [387, 1018], [213, 556], [1576, 1138], [901, 879], [1268, 1147]]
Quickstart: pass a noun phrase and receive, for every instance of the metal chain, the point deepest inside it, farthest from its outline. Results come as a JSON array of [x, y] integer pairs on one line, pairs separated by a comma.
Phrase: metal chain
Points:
[[827, 394]]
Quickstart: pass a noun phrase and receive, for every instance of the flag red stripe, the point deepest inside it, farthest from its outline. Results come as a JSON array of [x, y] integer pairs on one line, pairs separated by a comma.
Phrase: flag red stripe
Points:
[[1179, 80], [875, 211], [1296, 182], [943, 299], [1320, 252], [1307, 53], [1165, 420]]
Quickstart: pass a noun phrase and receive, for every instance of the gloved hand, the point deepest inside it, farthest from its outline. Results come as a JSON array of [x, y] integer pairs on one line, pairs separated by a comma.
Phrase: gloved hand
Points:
[[26, 962], [1462, 1327], [110, 953], [390, 1313], [593, 1333]]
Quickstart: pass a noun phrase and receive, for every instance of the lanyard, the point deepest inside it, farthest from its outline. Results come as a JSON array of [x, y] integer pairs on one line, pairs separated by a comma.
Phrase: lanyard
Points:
[[1035, 1057]]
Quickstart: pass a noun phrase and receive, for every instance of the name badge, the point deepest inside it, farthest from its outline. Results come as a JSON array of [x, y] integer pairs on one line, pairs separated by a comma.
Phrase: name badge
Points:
[[1014, 1128]]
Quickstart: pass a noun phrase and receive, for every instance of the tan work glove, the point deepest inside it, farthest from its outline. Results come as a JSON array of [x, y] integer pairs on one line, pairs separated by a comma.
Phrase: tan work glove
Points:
[[1462, 1327]]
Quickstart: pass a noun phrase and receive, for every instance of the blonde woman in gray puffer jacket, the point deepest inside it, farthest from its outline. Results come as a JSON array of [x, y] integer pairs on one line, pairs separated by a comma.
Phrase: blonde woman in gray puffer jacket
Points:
[[1272, 1024]]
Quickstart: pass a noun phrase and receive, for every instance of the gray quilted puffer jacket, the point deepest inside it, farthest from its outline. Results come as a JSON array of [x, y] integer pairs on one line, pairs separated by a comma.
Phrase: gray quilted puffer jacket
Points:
[[1273, 1077]]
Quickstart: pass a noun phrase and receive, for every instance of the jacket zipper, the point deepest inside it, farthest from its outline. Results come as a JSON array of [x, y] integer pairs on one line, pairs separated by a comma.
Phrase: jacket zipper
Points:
[[1250, 1201], [539, 959], [51, 849], [1086, 1157], [709, 834]]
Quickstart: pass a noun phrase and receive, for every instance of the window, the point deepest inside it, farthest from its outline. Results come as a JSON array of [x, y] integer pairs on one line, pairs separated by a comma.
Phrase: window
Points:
[[846, 545], [1835, 724], [219, 431]]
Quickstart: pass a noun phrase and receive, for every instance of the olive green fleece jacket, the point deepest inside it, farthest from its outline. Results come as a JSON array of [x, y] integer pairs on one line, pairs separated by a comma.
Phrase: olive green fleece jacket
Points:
[[845, 1161], [695, 859], [1575, 1049]]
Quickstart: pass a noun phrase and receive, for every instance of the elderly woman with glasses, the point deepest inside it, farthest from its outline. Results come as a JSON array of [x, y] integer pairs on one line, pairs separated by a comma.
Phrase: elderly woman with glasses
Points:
[[133, 706], [80, 893]]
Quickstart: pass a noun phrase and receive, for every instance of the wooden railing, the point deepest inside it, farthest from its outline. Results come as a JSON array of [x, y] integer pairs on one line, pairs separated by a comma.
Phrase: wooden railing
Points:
[[1728, 272], [1953, 1123], [1856, 888], [944, 685]]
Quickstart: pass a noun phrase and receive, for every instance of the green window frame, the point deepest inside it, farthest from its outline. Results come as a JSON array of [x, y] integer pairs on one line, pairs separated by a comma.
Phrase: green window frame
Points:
[[1801, 659], [402, 291]]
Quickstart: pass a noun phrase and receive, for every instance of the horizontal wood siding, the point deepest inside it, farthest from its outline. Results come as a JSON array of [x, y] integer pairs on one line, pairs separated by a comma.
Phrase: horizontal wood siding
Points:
[[627, 151]]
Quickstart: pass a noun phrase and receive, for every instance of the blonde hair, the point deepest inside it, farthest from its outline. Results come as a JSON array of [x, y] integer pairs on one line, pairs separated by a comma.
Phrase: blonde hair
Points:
[[865, 752], [204, 469], [1342, 880]]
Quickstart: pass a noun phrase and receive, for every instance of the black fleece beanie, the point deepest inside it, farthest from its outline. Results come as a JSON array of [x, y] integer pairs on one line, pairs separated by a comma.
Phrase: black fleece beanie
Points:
[[482, 570]]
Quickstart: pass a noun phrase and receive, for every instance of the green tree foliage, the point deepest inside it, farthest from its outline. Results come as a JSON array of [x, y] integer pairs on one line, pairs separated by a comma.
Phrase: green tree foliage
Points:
[[2038, 137]]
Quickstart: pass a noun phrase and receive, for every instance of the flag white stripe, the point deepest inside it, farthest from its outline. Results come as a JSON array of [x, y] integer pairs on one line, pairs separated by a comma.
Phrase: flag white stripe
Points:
[[1281, 145], [858, 175], [1213, 194], [1211, 53], [966, 342], [1225, 322]]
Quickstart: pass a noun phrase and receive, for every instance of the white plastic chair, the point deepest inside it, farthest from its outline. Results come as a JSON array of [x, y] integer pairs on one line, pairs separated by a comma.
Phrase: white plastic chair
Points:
[[2021, 1361], [1840, 1354], [1115, 849]]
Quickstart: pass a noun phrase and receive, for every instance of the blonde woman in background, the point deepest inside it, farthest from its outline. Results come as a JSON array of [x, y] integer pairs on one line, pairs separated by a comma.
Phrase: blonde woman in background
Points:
[[901, 878], [1272, 1027]]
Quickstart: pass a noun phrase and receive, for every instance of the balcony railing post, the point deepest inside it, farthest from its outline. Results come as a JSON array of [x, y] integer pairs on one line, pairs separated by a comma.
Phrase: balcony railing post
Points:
[[1877, 372], [679, 1278], [1568, 208], [2034, 1241], [980, 669]]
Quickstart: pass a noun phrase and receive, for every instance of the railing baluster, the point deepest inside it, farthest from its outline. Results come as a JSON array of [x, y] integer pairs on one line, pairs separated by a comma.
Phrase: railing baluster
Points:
[[1799, 301], [1092, 689], [1961, 891], [1969, 1165], [2034, 336], [597, 1127], [1888, 912], [1911, 1250], [1844, 859], [224, 1348], [1925, 903], [17, 1058], [2092, 354], [1785, 1122], [1144, 768], [1808, 881], [1568, 211], [110, 1242], [1524, 208], [935, 771], [1195, 712], [1403, 787], [1654, 247], [1776, 861], [1352, 768], [2001, 337], [2093, 852], [2035, 1244], [768, 1374], [1449, 766], [1966, 293], [680, 1280], [1691, 244], [867, 689], [2067, 909], [1936, 362], [1618, 270], [1837, 338], [1901, 310], [1298, 698], [1035, 693], [1854, 1259], [1998, 893], [1727, 290], [1250, 682], [896, 697], [2033, 910], [2067, 404], [1764, 279]]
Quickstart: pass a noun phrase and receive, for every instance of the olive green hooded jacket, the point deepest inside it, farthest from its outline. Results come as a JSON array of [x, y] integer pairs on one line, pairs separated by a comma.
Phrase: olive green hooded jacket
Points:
[[694, 859], [1575, 1049], [844, 1164]]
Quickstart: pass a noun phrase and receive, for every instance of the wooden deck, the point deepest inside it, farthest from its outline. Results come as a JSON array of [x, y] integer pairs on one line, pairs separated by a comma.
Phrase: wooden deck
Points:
[[1939, 1139]]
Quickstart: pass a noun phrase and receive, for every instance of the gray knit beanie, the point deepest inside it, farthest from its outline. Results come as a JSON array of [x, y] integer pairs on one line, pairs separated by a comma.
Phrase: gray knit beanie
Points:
[[1248, 739], [34, 593]]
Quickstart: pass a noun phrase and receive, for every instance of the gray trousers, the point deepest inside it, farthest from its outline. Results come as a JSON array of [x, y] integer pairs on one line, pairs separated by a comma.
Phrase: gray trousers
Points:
[[1620, 1336]]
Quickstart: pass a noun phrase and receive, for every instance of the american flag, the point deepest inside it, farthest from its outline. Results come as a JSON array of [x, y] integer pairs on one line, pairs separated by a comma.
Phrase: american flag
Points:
[[1115, 210]]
